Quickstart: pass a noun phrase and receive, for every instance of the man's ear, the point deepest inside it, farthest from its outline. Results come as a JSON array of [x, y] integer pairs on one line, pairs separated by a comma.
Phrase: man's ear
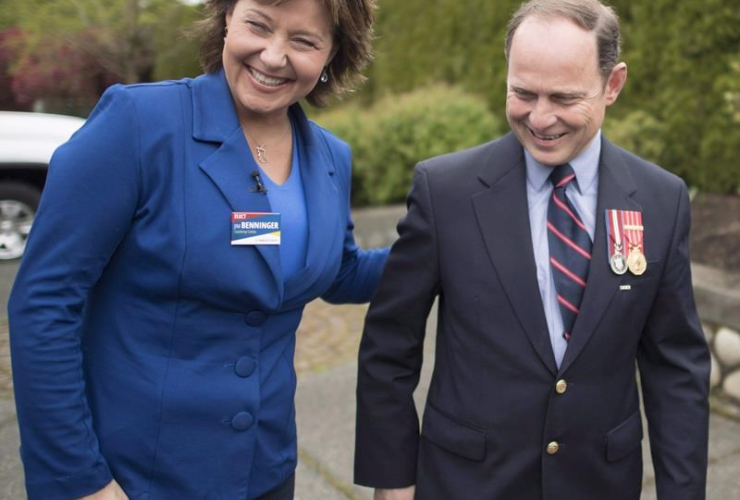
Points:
[[615, 82]]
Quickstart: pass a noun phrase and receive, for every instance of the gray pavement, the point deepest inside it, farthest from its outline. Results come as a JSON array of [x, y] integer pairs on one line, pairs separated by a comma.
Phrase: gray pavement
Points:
[[326, 432], [325, 406]]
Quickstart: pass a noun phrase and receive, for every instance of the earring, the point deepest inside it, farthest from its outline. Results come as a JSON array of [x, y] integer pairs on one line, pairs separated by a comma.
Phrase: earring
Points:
[[324, 76]]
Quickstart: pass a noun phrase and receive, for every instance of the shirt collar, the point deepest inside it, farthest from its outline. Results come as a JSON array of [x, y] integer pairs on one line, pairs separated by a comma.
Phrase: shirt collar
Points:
[[585, 166]]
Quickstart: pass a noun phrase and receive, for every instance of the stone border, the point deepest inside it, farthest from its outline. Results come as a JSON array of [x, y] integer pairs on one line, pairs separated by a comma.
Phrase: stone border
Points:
[[717, 296]]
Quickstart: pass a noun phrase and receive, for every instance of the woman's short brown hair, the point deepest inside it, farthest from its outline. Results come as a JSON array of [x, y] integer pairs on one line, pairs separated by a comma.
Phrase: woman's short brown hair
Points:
[[352, 22]]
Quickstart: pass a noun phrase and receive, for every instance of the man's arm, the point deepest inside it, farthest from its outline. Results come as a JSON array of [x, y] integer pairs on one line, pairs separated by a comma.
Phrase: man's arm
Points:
[[391, 351], [674, 367]]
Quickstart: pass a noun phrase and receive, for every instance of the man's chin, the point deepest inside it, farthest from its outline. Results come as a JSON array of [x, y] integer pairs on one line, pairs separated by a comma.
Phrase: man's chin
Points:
[[547, 158]]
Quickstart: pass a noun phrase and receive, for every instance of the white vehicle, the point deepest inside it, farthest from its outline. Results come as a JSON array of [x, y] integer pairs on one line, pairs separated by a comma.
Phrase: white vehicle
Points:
[[27, 141]]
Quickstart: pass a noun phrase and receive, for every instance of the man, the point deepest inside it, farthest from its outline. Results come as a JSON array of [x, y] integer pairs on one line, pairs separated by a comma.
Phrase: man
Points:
[[560, 261]]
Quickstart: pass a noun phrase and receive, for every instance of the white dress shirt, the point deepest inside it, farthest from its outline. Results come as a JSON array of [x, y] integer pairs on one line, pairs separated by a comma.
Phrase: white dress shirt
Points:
[[583, 196]]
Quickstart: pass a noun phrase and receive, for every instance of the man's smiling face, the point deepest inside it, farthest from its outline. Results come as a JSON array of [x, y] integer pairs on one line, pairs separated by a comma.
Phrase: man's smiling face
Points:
[[556, 96]]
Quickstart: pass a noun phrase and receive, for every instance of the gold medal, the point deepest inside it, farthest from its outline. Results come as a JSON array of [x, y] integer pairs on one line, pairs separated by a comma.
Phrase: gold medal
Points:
[[618, 263], [636, 261]]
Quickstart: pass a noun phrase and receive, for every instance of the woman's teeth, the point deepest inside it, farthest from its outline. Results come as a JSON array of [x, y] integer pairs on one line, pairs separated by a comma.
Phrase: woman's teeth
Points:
[[264, 79]]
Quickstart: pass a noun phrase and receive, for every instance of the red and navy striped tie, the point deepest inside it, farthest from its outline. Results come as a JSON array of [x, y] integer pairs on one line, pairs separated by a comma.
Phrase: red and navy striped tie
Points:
[[570, 248]]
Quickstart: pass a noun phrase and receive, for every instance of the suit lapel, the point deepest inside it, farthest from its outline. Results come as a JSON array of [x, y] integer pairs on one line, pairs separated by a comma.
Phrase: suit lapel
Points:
[[322, 206], [502, 213], [616, 187], [215, 120]]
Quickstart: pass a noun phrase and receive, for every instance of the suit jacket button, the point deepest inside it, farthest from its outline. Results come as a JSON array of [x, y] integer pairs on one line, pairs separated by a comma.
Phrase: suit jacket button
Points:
[[242, 421], [561, 386], [553, 448], [255, 318], [245, 367]]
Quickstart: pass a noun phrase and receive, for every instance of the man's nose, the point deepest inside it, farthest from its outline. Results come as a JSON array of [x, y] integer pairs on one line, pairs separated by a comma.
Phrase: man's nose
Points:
[[542, 115]]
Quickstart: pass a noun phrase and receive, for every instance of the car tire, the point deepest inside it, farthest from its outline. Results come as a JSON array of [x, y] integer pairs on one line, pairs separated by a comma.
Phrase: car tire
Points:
[[18, 204]]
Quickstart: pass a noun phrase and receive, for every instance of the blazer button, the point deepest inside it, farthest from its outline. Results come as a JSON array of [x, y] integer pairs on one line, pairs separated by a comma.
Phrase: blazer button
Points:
[[242, 421], [245, 367], [255, 318], [561, 386], [553, 448]]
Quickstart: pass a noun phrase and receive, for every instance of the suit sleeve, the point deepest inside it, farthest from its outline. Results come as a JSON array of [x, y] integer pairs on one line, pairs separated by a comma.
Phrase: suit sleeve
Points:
[[87, 206], [674, 365], [391, 350], [359, 273], [360, 270]]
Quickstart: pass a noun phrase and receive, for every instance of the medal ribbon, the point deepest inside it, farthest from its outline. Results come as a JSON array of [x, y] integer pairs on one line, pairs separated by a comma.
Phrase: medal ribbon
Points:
[[633, 230]]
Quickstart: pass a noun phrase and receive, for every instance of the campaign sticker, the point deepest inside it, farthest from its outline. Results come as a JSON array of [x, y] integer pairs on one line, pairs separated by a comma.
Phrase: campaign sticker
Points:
[[255, 228]]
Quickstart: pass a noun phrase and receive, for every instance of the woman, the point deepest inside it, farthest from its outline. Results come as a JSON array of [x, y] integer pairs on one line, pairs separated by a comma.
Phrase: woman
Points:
[[152, 340]]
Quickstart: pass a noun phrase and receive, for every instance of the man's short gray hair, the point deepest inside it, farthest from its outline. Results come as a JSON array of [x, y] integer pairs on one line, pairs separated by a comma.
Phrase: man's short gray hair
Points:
[[591, 15]]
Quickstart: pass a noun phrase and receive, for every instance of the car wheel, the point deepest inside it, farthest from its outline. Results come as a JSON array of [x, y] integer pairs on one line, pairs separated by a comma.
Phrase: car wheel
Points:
[[18, 204]]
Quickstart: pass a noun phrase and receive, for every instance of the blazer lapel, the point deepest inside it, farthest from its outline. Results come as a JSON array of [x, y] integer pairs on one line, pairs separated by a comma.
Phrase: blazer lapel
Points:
[[503, 217], [616, 187], [322, 206], [215, 120]]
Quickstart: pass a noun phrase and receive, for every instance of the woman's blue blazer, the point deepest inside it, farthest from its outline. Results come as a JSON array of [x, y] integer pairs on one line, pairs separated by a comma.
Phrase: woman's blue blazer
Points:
[[144, 346]]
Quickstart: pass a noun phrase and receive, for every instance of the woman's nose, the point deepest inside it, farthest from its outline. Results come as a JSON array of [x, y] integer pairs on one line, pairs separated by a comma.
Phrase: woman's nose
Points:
[[273, 55]]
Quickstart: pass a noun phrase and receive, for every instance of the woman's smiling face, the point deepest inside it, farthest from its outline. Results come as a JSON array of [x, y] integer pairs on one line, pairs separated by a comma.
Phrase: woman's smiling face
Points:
[[274, 54]]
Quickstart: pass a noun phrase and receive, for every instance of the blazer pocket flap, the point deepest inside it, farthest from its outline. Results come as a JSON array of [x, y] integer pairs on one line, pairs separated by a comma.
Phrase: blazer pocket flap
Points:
[[624, 438], [453, 436]]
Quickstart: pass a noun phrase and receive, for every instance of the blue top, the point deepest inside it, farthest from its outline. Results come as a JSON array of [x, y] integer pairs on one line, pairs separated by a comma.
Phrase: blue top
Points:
[[539, 189], [289, 201]]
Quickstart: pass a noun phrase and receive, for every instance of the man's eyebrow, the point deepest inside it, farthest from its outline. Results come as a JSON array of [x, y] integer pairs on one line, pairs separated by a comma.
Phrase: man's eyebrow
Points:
[[521, 90], [569, 94]]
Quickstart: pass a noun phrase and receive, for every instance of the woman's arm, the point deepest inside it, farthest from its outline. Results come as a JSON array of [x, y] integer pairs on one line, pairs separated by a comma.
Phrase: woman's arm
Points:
[[87, 207]]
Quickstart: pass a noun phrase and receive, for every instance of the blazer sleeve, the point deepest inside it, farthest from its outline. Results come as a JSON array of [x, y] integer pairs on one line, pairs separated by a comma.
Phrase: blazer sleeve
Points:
[[674, 365], [360, 270], [87, 206], [391, 350]]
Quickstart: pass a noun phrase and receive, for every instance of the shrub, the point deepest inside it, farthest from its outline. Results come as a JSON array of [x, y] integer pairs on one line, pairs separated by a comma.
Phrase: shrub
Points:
[[682, 59], [638, 132], [396, 132]]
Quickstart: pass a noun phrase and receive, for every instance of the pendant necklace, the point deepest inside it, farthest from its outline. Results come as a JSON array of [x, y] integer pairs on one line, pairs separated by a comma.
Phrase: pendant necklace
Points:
[[260, 148]]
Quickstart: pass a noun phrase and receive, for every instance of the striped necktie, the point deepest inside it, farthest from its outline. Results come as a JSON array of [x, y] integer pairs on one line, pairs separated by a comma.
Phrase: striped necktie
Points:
[[570, 248]]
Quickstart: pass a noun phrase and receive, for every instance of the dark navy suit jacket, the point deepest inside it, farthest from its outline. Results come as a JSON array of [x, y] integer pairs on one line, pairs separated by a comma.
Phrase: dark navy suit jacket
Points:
[[145, 347], [494, 406]]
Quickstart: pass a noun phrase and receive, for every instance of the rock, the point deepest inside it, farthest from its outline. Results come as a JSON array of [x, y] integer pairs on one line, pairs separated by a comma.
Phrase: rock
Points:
[[708, 333], [727, 347], [732, 385], [716, 376]]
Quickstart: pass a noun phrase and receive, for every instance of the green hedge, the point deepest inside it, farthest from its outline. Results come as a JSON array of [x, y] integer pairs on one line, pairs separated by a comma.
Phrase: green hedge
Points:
[[396, 132], [680, 107], [638, 132]]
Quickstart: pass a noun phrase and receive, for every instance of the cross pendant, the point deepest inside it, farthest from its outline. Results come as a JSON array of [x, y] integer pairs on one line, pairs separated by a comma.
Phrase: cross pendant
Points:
[[261, 154]]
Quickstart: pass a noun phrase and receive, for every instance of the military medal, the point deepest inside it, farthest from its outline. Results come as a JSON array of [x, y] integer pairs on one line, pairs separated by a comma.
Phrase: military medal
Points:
[[618, 263], [636, 262], [625, 231], [615, 245], [633, 233]]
